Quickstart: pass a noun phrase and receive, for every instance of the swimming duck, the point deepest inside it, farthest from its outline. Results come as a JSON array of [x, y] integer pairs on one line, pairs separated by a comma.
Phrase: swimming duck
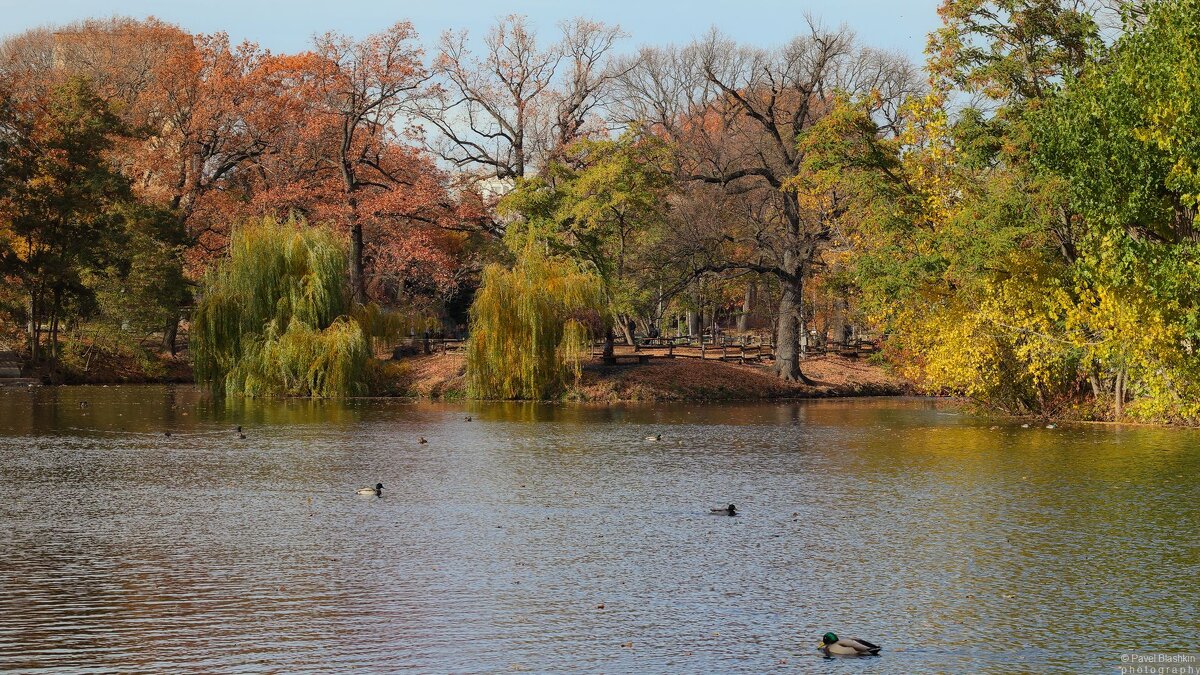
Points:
[[239, 429], [242, 436], [467, 418], [656, 437], [167, 434], [831, 645], [421, 440], [730, 510], [377, 490]]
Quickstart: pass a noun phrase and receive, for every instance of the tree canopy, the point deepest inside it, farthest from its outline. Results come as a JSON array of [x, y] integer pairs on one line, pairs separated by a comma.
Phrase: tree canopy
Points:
[[1017, 223]]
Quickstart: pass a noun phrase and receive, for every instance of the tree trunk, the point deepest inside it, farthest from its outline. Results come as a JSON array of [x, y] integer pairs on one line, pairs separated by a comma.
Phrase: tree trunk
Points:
[[357, 286], [55, 309], [624, 322], [658, 317], [608, 341], [35, 339], [787, 339], [35, 328], [693, 322], [743, 320], [171, 332], [842, 334], [1119, 396], [803, 337], [54, 340]]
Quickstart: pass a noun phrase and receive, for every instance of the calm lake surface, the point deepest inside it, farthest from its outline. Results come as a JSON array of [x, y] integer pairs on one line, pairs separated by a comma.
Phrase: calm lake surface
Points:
[[957, 546]]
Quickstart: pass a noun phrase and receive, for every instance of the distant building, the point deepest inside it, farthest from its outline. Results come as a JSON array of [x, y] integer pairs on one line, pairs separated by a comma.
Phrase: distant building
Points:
[[492, 188]]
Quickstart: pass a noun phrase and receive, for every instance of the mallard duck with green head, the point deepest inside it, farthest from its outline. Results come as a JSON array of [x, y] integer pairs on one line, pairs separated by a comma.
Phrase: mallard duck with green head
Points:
[[377, 490], [832, 645]]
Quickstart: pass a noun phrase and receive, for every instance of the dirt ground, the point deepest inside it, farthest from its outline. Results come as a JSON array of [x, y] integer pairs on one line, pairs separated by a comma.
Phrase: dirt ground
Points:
[[434, 376], [442, 376]]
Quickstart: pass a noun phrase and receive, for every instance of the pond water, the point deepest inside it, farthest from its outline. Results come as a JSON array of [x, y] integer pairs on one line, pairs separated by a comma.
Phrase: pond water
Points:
[[555, 538]]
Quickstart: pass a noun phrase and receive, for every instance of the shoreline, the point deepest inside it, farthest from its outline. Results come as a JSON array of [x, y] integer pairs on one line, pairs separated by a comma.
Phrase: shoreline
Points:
[[813, 394], [443, 377]]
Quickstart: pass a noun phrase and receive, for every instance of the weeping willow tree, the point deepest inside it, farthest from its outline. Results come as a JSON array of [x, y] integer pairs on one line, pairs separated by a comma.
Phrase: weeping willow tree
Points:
[[273, 317], [384, 327], [527, 334]]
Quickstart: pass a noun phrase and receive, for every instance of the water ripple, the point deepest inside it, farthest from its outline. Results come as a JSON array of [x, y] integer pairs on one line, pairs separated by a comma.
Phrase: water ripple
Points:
[[542, 538]]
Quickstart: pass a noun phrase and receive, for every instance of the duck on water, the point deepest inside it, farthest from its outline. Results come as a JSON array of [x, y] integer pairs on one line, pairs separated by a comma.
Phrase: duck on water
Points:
[[832, 645], [377, 490]]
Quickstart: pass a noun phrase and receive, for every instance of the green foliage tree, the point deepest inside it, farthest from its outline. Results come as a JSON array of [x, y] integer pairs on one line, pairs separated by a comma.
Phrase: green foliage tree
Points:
[[73, 237], [528, 326], [1121, 138], [63, 205], [1011, 50], [604, 205], [1040, 254], [139, 282], [272, 318]]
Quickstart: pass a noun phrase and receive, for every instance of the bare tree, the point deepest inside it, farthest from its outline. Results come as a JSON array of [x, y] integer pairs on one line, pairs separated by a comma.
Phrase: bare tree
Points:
[[734, 114], [585, 83], [508, 111]]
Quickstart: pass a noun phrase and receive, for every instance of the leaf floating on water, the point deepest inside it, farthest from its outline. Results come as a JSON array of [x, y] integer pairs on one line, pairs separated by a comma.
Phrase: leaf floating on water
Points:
[[600, 606], [627, 645]]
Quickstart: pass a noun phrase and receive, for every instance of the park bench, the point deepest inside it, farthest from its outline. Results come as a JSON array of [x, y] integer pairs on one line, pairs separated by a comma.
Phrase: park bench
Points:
[[452, 345]]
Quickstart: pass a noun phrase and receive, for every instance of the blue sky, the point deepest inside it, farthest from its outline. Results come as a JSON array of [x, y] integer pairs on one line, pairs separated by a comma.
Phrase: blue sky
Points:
[[286, 25]]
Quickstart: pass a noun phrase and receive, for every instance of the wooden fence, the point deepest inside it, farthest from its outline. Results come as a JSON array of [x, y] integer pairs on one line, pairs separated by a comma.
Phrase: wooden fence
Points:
[[735, 349]]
